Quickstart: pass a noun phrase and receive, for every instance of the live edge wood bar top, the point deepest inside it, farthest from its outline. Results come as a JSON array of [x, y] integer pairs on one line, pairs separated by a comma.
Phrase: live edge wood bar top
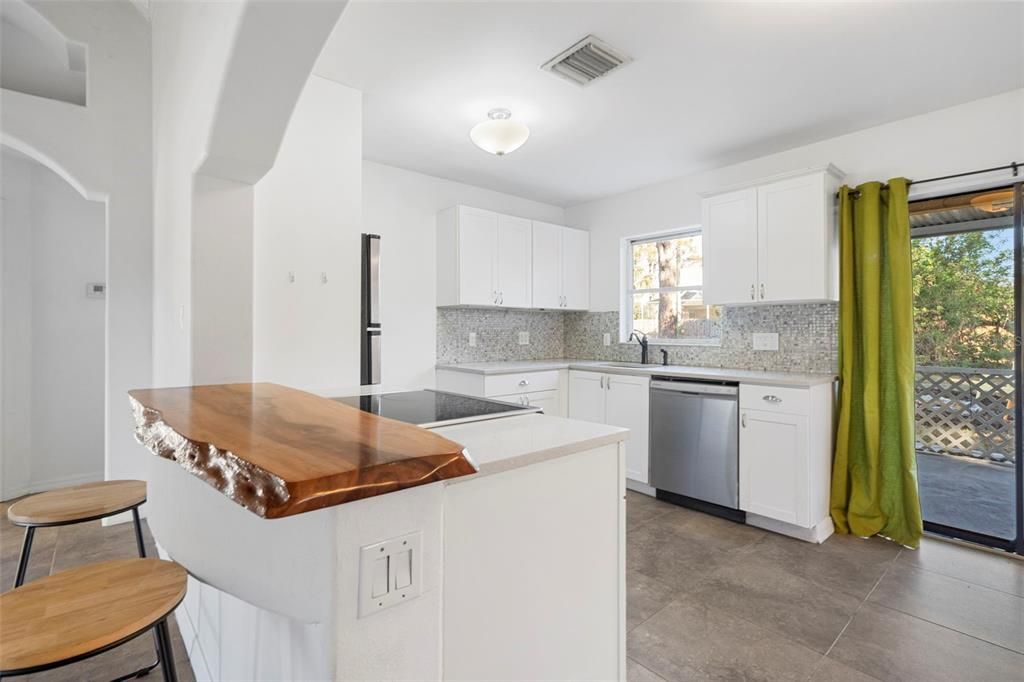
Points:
[[278, 451]]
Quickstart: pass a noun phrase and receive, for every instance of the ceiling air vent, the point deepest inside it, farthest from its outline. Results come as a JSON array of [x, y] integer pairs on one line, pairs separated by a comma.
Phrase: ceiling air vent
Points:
[[586, 61]]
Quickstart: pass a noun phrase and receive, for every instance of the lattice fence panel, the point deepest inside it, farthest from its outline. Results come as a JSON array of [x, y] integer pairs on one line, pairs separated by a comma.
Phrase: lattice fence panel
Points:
[[966, 412]]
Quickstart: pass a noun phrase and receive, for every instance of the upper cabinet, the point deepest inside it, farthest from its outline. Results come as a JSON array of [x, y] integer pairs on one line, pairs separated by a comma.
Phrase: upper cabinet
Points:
[[483, 259], [773, 242], [494, 260], [561, 267]]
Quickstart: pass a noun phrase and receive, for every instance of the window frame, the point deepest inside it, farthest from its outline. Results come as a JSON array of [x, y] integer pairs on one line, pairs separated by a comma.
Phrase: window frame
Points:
[[626, 290]]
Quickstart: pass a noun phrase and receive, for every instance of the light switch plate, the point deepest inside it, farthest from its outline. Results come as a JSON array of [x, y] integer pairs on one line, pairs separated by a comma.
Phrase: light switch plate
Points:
[[390, 572], [766, 341], [524, 338], [472, 339], [607, 339]]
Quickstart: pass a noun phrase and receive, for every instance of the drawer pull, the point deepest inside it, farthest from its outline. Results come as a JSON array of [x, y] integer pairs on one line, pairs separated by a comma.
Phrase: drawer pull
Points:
[[524, 382], [772, 399], [743, 420]]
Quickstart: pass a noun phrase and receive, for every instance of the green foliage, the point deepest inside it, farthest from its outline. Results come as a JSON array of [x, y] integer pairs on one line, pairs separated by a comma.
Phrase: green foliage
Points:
[[963, 300]]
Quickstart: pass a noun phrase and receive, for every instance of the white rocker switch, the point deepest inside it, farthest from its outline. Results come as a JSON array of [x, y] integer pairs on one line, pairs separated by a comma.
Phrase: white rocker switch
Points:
[[380, 576], [402, 569]]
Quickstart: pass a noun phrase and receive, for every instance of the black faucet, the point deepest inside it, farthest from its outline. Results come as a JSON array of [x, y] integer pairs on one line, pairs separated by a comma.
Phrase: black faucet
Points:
[[642, 340], [664, 357]]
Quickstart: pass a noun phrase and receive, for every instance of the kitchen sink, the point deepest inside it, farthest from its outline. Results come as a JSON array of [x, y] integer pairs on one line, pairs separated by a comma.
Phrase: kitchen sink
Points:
[[627, 364]]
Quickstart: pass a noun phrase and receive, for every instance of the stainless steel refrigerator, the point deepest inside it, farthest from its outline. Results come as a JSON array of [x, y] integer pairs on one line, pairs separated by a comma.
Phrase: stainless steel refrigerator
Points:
[[370, 315]]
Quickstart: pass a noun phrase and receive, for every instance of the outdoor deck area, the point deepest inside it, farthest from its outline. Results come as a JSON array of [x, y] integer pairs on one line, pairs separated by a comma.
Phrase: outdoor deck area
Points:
[[966, 449], [964, 493]]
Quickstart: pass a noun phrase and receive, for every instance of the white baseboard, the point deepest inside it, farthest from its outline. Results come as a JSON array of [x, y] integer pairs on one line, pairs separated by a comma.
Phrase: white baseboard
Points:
[[816, 534], [638, 487], [51, 484]]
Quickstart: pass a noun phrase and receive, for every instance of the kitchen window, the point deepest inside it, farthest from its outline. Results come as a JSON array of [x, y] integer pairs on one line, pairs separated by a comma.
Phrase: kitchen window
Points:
[[664, 292]]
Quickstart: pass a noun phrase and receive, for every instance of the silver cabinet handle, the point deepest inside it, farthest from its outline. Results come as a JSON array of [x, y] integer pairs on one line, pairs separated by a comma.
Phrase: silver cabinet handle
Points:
[[602, 383], [751, 292], [501, 297], [608, 384], [771, 399], [495, 294], [524, 382], [743, 420], [762, 290], [527, 399]]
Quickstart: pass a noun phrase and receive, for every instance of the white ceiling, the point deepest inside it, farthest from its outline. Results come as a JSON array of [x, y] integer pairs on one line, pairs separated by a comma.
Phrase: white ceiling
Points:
[[711, 84]]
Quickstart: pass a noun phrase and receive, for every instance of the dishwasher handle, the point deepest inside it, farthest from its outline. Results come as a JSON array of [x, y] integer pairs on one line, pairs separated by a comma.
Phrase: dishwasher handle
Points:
[[695, 388]]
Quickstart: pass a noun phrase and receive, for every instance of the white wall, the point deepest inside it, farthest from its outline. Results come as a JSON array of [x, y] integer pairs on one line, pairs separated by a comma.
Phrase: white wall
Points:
[[981, 134], [53, 336], [402, 206], [104, 150], [307, 222]]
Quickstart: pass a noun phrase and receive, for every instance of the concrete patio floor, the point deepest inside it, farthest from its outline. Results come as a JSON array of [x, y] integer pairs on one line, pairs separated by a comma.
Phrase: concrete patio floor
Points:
[[963, 493]]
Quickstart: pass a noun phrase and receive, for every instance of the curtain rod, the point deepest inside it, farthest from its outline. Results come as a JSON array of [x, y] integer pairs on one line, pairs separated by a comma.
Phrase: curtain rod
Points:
[[1014, 166]]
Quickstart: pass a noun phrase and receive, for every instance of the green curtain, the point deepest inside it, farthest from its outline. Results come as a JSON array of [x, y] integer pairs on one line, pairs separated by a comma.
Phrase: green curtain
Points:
[[874, 477]]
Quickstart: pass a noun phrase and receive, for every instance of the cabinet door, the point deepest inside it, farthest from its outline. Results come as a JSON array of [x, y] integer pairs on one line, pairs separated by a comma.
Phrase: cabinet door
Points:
[[628, 406], [586, 396], [730, 247], [774, 466], [547, 265], [575, 269], [545, 400], [792, 239], [478, 249], [515, 258]]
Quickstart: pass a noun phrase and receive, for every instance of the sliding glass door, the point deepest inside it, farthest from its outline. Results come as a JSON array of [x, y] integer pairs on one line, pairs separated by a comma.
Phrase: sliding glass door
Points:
[[967, 310]]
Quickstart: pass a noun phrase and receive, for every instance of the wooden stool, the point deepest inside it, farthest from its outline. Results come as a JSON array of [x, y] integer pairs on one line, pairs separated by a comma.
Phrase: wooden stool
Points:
[[77, 504], [73, 615]]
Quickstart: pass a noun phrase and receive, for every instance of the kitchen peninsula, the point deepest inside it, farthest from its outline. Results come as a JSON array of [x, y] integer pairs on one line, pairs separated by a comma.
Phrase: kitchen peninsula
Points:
[[338, 544]]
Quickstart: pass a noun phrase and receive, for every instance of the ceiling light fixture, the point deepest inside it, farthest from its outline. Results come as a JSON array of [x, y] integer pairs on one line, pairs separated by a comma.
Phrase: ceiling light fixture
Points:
[[499, 135]]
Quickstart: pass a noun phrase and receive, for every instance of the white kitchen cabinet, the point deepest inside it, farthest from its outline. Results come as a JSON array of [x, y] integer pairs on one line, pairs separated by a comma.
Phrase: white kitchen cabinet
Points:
[[773, 466], [786, 457], [561, 267], [483, 259], [576, 269], [617, 400], [729, 243], [545, 389], [773, 242], [515, 259]]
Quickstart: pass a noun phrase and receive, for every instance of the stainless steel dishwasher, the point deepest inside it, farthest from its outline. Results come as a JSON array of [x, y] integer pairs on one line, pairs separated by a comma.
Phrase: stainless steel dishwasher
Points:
[[695, 444]]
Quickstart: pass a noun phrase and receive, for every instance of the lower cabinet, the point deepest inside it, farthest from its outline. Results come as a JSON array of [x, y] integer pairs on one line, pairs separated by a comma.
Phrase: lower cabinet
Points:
[[773, 466], [545, 389], [616, 400], [786, 454]]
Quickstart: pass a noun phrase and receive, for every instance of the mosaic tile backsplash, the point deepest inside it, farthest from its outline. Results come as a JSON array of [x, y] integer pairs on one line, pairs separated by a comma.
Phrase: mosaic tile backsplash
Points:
[[808, 338], [497, 335]]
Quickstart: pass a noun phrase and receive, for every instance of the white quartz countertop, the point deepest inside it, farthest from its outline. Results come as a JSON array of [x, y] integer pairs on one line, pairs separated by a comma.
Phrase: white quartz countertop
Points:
[[505, 443], [747, 376]]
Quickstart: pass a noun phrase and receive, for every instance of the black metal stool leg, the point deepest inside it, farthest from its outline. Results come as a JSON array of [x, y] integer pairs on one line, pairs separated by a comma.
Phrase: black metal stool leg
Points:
[[156, 637], [26, 549], [166, 653], [138, 532]]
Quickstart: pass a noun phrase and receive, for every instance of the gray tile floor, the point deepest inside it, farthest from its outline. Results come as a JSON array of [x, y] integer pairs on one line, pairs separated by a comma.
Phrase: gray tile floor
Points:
[[57, 549], [712, 600]]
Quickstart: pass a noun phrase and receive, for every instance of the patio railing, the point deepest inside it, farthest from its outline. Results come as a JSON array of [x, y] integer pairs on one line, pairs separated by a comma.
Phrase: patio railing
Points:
[[966, 412]]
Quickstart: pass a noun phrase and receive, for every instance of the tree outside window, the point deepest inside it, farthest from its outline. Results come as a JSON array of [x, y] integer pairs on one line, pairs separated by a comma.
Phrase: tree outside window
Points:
[[666, 292]]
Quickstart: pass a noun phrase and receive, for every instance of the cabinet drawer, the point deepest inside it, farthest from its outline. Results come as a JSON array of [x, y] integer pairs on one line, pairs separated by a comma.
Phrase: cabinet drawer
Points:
[[780, 399], [525, 382]]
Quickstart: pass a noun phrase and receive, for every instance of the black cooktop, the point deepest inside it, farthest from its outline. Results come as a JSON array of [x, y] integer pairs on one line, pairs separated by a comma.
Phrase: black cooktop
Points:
[[433, 408]]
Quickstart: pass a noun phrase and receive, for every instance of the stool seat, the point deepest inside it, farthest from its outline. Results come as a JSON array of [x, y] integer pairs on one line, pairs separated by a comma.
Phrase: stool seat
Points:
[[77, 503], [74, 614]]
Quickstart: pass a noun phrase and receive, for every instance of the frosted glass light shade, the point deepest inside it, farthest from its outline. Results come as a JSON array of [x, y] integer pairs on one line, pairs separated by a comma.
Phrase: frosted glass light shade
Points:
[[499, 135]]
